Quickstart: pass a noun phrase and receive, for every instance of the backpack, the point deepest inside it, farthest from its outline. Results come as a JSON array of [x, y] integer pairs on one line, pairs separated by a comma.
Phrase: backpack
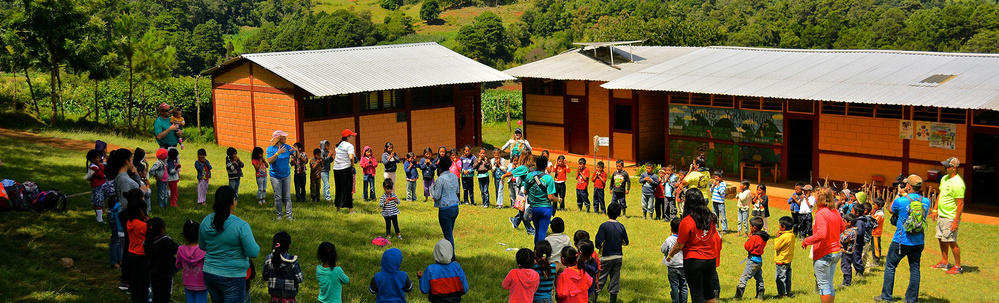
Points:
[[870, 225], [15, 195], [30, 190], [914, 223], [4, 200], [49, 200]]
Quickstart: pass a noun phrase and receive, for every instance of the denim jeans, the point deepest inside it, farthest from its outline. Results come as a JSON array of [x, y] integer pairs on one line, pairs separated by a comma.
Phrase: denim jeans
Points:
[[499, 191], [677, 285], [225, 289], [300, 187], [598, 200], [720, 211], [447, 217], [519, 218], [783, 274], [513, 193], [410, 190], [743, 223], [235, 186], [754, 270], [114, 247], [825, 272], [261, 189], [325, 176], [582, 198], [368, 187], [467, 192], [619, 198], [805, 225], [895, 254], [282, 195], [163, 193], [541, 216], [648, 203], [484, 188], [196, 296], [846, 264]]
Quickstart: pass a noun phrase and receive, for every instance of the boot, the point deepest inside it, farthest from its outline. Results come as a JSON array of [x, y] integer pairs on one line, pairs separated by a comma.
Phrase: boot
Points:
[[759, 294], [613, 298], [738, 293], [587, 209]]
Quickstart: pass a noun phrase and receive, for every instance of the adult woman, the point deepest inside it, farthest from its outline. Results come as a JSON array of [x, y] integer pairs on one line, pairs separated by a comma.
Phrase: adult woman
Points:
[[278, 156], [342, 162], [228, 244], [540, 190], [700, 242], [445, 194], [517, 144], [517, 174], [825, 243], [119, 164]]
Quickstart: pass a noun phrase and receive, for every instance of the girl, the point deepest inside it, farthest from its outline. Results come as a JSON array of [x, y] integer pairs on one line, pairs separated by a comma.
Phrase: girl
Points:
[[391, 160], [95, 174], [281, 271], [260, 166], [142, 174], [518, 170], [173, 174], [234, 167], [390, 208], [482, 168], [468, 175], [561, 174], [761, 204], [161, 250], [138, 264], [331, 277], [522, 281], [745, 199], [159, 172], [427, 168], [546, 271], [191, 259], [204, 169], [517, 144], [455, 167], [412, 173], [573, 283], [368, 166]]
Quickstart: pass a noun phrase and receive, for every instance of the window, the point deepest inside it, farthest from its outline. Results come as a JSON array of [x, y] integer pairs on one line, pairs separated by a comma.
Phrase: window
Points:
[[937, 114], [888, 111], [679, 98], [622, 117], [860, 109], [383, 100], [985, 117], [700, 99], [766, 104], [468, 86], [834, 108], [327, 106], [953, 115], [422, 96], [543, 87], [443, 95], [801, 106]]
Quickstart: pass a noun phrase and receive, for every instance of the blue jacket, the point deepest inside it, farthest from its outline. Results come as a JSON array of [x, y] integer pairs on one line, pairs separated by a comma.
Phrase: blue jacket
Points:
[[411, 170], [227, 252], [391, 284], [428, 169], [444, 282], [901, 207]]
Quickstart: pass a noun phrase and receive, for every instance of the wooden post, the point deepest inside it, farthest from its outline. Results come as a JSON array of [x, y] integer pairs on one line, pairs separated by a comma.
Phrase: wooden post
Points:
[[197, 101]]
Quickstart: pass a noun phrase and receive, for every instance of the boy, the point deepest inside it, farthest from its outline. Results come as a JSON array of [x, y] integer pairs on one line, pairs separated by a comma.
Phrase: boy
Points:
[[677, 282], [805, 212], [879, 217], [482, 168], [621, 186], [412, 173], [847, 241], [863, 235], [599, 183], [499, 169], [794, 203], [204, 169], [611, 237], [300, 160], [558, 239], [745, 204], [390, 284], [562, 171], [783, 254], [669, 192], [718, 191], [582, 182], [755, 245], [316, 173], [649, 181]]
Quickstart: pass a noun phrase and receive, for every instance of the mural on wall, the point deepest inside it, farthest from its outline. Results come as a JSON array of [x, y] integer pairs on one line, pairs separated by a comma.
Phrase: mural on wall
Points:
[[726, 124], [943, 135], [723, 156]]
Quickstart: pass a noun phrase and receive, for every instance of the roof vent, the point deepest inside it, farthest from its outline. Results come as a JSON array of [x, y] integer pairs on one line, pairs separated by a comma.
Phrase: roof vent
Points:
[[935, 80]]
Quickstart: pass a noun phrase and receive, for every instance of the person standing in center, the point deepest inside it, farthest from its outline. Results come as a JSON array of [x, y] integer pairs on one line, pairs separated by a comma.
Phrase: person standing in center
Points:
[[445, 194], [228, 244], [342, 163], [826, 248], [907, 243], [279, 157], [540, 190]]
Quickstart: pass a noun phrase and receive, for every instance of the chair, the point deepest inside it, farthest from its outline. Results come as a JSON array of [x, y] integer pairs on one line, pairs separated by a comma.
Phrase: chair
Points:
[[878, 181]]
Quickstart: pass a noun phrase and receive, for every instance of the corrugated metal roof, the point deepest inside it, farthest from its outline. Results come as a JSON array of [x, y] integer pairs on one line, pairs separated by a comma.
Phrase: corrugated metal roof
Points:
[[864, 76], [372, 68], [576, 65]]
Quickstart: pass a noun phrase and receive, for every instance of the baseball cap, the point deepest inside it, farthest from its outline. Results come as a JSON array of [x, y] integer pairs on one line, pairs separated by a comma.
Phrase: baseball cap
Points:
[[914, 180], [279, 133], [807, 187], [164, 106], [347, 132], [846, 192], [518, 131], [951, 162]]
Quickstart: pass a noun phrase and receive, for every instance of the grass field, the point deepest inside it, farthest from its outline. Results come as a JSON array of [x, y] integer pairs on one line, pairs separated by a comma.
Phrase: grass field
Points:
[[31, 245]]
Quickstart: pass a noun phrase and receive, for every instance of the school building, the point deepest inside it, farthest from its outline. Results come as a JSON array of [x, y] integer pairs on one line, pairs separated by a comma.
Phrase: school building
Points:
[[413, 95], [860, 116]]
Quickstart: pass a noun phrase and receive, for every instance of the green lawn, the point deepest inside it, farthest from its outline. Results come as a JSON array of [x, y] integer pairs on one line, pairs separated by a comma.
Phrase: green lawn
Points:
[[32, 244]]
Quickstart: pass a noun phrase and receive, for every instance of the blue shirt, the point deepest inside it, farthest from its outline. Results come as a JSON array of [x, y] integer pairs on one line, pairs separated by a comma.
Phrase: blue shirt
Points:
[[281, 168], [227, 253], [445, 190], [411, 170], [718, 192], [668, 187], [901, 207]]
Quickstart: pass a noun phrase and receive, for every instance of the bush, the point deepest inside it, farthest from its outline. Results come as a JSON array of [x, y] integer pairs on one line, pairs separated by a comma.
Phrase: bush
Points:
[[494, 105]]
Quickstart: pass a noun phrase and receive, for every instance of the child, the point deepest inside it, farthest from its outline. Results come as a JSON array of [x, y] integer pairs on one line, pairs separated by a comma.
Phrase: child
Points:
[[522, 282], [794, 205], [412, 173], [755, 246], [561, 171], [325, 158], [573, 283], [191, 259], [847, 241], [761, 205], [546, 271], [281, 270], [443, 281], [879, 217], [391, 284], [649, 180], [316, 174], [391, 161], [863, 234], [677, 281], [611, 238], [558, 240], [178, 120], [467, 175], [482, 167], [300, 161], [745, 198], [427, 169], [173, 174], [95, 174], [456, 164], [582, 183], [251, 273], [590, 264], [260, 167], [499, 169], [660, 194], [368, 165], [138, 264], [783, 254], [718, 191], [669, 192], [204, 169], [159, 172], [599, 183], [621, 186], [161, 250], [331, 277], [234, 167], [390, 208]]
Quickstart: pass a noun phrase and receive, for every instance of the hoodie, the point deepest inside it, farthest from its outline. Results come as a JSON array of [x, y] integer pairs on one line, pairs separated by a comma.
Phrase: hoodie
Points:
[[325, 155], [368, 164], [756, 244], [427, 168], [522, 283], [444, 281], [283, 278], [572, 286], [162, 258], [391, 284], [191, 259]]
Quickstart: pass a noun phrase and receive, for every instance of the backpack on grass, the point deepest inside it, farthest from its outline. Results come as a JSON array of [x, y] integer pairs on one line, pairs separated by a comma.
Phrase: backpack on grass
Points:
[[914, 223], [49, 200], [16, 198]]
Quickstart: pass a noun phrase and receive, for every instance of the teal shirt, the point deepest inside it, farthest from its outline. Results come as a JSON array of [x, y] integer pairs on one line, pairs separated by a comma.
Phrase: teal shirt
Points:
[[537, 196], [227, 253], [161, 124], [331, 281]]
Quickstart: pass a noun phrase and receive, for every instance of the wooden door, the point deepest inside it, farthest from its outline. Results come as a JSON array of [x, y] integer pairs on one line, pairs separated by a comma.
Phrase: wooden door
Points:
[[465, 121], [577, 125]]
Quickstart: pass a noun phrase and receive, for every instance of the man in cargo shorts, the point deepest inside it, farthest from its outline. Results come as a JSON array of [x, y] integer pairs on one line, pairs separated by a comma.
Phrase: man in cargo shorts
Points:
[[947, 212]]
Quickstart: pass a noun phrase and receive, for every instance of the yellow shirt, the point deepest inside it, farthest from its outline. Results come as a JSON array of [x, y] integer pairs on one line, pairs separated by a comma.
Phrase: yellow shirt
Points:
[[784, 248]]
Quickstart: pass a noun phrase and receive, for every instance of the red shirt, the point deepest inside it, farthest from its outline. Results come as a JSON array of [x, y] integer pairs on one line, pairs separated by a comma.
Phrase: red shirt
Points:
[[755, 245], [825, 234], [698, 244], [561, 172], [137, 236], [660, 192], [98, 178], [600, 180], [583, 178]]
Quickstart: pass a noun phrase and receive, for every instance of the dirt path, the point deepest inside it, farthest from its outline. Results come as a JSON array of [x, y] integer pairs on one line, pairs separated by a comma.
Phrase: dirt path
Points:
[[62, 143]]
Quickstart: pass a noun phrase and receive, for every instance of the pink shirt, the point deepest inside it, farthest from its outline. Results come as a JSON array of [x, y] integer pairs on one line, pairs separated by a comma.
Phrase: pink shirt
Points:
[[191, 259], [825, 237]]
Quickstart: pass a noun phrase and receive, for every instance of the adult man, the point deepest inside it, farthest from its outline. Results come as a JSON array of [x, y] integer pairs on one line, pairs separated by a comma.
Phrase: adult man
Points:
[[947, 213], [166, 133], [805, 212], [905, 244]]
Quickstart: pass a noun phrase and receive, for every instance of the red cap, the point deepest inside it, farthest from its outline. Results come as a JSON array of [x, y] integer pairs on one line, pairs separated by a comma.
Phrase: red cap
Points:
[[347, 132]]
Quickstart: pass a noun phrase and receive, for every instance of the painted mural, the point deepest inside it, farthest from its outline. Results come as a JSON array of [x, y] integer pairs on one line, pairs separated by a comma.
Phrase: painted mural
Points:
[[725, 124]]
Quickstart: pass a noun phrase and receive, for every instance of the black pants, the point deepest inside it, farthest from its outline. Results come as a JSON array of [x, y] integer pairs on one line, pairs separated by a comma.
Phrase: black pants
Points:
[[671, 211], [598, 200], [138, 283], [124, 245], [344, 182], [468, 190], [299, 187], [805, 224], [796, 227], [560, 193], [162, 287], [391, 221], [660, 203], [701, 276]]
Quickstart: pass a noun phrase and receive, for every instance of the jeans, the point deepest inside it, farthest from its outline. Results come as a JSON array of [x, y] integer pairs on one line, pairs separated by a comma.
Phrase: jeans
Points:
[[753, 270], [671, 209], [447, 217], [610, 270], [391, 221], [513, 193], [368, 188], [261, 189], [648, 203], [467, 192], [235, 186], [783, 274], [825, 272], [805, 225], [895, 254], [743, 223], [196, 296], [325, 176], [225, 289], [410, 190], [282, 195], [527, 224], [499, 191], [202, 191], [541, 216], [619, 198], [484, 188], [114, 246], [300, 187], [677, 285], [720, 211], [700, 276], [163, 193], [848, 262], [598, 200], [582, 198]]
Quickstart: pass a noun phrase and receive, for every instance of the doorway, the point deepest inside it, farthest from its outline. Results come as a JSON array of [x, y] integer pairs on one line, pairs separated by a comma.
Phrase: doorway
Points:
[[577, 124], [465, 121], [799, 158], [985, 185]]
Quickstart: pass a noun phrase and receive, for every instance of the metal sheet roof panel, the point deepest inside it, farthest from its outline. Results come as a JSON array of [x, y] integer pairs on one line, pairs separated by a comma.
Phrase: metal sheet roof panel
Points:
[[575, 65]]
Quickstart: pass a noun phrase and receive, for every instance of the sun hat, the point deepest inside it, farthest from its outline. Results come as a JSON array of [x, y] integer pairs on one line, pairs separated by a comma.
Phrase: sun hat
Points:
[[279, 133], [347, 133]]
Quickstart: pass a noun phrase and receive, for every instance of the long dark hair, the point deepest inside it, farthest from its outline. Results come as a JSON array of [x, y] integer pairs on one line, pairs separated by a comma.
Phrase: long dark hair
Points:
[[139, 155], [136, 204], [191, 229], [327, 253], [281, 243], [92, 154], [229, 152], [697, 208], [224, 197], [153, 229], [116, 160], [543, 251], [525, 258], [257, 154]]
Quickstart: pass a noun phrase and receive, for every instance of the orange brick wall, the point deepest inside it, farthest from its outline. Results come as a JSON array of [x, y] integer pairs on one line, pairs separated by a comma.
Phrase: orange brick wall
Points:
[[871, 136], [232, 119], [544, 137], [856, 170], [432, 128], [651, 126], [315, 131], [921, 149], [575, 88], [622, 146], [599, 110], [264, 77], [547, 109], [274, 112], [376, 130], [622, 93]]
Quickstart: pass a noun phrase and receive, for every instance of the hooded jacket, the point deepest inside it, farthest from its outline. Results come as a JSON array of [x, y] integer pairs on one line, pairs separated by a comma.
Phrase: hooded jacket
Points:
[[191, 259], [522, 283], [368, 164], [391, 284], [162, 257], [283, 278], [325, 155], [756, 245], [444, 281], [572, 286]]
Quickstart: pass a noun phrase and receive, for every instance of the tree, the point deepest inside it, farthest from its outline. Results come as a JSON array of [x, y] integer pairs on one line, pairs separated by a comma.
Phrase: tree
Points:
[[430, 11], [986, 41], [485, 39], [390, 4], [206, 43], [395, 25]]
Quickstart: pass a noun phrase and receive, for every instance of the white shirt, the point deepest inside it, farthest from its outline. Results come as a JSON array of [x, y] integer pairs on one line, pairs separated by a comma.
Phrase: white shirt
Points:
[[343, 153], [806, 208], [745, 200]]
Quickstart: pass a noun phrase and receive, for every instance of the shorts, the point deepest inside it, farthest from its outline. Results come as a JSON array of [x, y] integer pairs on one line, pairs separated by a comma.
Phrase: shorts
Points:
[[943, 230]]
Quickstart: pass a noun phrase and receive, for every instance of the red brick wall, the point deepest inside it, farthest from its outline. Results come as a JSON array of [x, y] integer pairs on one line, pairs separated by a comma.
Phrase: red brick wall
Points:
[[433, 128]]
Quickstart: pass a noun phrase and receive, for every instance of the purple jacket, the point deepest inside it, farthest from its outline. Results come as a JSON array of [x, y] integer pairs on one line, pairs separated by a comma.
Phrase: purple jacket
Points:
[[191, 259]]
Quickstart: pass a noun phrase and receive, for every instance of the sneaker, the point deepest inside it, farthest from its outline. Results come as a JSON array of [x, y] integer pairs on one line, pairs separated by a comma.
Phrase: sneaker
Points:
[[123, 286], [513, 223], [399, 236], [279, 217], [880, 299], [955, 270], [941, 265]]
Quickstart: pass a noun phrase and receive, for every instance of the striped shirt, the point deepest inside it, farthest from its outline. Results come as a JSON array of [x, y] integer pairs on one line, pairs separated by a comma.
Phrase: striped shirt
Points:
[[546, 285], [718, 192], [389, 208]]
